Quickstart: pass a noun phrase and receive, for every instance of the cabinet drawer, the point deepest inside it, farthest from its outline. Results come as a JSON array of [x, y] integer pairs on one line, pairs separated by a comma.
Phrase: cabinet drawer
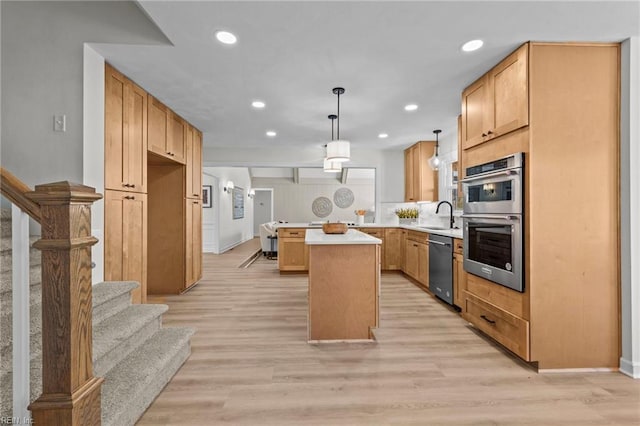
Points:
[[374, 232], [507, 299], [508, 330], [458, 246], [419, 237], [291, 232]]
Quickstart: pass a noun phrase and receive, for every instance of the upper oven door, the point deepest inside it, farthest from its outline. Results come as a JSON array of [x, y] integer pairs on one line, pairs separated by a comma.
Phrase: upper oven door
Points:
[[498, 192]]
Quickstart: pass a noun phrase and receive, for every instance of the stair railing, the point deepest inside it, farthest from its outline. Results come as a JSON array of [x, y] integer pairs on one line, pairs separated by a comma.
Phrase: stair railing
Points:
[[70, 392]]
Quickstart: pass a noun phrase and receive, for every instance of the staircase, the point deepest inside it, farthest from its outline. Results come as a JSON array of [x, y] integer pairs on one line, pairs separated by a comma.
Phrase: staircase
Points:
[[131, 350]]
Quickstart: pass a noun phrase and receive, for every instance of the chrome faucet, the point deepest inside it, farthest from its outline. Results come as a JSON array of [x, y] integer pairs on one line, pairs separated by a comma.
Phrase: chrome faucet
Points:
[[450, 212]]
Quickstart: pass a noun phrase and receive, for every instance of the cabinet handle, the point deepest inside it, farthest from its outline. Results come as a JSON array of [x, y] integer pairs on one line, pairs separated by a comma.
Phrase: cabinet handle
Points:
[[129, 197], [132, 186], [487, 319], [196, 195], [489, 132], [415, 245], [484, 135], [195, 202], [293, 233]]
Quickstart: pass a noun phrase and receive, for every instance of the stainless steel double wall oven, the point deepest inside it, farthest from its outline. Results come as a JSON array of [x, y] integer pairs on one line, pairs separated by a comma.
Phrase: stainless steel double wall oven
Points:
[[493, 222]]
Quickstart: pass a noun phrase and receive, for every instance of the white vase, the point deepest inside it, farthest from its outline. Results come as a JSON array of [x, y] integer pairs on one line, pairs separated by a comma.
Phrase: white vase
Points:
[[360, 219]]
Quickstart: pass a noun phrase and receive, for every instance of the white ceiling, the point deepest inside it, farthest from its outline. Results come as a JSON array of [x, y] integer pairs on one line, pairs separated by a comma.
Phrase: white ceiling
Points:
[[386, 54]]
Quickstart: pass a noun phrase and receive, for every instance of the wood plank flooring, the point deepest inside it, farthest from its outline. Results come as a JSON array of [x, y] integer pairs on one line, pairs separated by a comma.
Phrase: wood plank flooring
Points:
[[251, 365]]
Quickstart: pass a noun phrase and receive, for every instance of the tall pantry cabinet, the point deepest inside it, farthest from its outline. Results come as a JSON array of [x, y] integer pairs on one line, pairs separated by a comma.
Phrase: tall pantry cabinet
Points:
[[125, 237], [558, 103], [153, 169]]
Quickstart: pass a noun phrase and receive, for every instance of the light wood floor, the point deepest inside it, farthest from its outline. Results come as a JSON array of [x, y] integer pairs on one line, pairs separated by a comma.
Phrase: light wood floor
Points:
[[251, 365]]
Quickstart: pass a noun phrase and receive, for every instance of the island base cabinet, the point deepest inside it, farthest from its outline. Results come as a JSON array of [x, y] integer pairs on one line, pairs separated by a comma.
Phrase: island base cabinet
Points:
[[293, 253], [343, 291]]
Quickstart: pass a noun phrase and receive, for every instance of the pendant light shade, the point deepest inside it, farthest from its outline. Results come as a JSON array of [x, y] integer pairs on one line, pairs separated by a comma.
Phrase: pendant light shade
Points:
[[332, 166], [339, 151], [434, 161]]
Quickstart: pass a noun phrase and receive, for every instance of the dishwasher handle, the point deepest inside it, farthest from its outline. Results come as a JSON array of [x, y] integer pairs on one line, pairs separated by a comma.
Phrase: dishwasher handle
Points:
[[438, 243]]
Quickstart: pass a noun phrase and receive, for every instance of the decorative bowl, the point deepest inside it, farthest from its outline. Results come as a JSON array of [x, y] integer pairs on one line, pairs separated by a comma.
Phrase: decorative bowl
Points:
[[334, 228]]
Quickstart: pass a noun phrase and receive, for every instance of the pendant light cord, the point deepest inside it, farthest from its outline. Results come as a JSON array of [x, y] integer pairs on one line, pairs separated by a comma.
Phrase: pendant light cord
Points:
[[338, 115]]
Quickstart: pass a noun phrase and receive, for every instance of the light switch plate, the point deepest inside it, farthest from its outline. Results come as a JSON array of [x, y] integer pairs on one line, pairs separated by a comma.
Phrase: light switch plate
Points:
[[60, 123]]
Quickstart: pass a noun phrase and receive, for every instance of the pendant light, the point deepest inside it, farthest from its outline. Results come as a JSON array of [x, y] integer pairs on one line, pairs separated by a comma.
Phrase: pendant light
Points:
[[434, 162], [332, 166], [338, 150]]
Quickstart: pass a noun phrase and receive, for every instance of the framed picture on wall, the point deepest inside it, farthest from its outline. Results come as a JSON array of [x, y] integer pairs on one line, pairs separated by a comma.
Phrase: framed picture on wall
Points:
[[206, 196], [238, 203]]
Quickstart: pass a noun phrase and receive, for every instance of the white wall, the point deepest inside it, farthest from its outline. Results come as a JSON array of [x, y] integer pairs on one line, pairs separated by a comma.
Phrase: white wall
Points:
[[292, 201], [42, 75], [232, 232], [630, 206], [93, 149]]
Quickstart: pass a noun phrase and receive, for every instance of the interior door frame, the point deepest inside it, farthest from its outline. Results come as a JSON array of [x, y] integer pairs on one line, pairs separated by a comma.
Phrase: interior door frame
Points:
[[254, 206]]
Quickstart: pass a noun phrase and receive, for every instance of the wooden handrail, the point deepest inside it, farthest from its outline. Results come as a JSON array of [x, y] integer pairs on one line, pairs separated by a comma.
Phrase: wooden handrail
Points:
[[14, 189]]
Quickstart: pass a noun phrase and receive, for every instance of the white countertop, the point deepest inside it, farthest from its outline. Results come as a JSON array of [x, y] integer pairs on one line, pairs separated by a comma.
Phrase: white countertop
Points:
[[455, 233], [318, 237]]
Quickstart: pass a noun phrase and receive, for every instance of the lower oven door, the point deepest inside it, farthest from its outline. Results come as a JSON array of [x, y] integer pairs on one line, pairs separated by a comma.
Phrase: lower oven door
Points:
[[493, 248]]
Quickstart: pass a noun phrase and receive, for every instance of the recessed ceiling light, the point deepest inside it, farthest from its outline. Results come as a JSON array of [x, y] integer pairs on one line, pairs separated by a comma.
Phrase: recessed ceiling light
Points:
[[226, 37], [411, 107], [271, 133], [258, 104], [472, 45], [383, 135]]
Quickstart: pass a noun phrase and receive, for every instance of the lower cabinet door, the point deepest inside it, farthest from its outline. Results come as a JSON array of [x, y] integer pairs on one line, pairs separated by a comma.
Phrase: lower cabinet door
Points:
[[125, 241], [423, 264], [411, 258], [293, 254]]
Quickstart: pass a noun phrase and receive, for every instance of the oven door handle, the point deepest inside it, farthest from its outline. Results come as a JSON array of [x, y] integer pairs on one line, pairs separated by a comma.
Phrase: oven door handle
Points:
[[486, 216], [510, 172]]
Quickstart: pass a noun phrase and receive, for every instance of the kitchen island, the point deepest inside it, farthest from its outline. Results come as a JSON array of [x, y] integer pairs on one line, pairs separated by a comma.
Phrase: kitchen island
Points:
[[344, 279]]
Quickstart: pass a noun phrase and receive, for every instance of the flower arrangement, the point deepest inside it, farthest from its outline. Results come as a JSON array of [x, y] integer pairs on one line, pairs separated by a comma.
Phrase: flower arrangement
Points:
[[360, 212], [409, 213]]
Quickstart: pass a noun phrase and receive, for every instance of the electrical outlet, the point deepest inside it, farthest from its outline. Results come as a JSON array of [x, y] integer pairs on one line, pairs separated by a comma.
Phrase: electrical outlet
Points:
[[60, 123]]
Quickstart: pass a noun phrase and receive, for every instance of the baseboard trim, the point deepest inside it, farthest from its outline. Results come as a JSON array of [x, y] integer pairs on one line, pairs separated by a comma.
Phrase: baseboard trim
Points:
[[232, 245], [629, 368], [576, 370]]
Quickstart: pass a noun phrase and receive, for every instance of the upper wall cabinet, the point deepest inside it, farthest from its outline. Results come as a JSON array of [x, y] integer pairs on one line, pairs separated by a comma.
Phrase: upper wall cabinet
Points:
[[496, 103], [420, 182], [194, 163], [167, 132], [125, 134]]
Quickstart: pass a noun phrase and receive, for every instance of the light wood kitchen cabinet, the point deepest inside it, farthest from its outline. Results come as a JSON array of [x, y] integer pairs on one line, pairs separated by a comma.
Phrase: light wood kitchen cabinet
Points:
[[423, 264], [377, 233], [567, 317], [403, 246], [125, 128], [459, 274], [193, 243], [125, 248], [411, 258], [293, 253], [420, 181], [166, 131], [194, 163], [393, 249], [497, 103]]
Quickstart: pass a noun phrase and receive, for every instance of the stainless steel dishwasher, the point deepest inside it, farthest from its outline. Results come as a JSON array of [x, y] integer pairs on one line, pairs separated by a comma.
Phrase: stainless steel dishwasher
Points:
[[441, 267]]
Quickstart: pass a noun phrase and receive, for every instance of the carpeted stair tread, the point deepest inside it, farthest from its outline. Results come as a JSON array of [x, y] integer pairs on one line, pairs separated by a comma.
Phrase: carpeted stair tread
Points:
[[115, 337], [35, 277], [111, 297], [131, 386]]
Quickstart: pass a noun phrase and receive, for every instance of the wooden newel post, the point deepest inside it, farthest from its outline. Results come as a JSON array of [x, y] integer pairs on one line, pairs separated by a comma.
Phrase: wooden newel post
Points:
[[70, 392]]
